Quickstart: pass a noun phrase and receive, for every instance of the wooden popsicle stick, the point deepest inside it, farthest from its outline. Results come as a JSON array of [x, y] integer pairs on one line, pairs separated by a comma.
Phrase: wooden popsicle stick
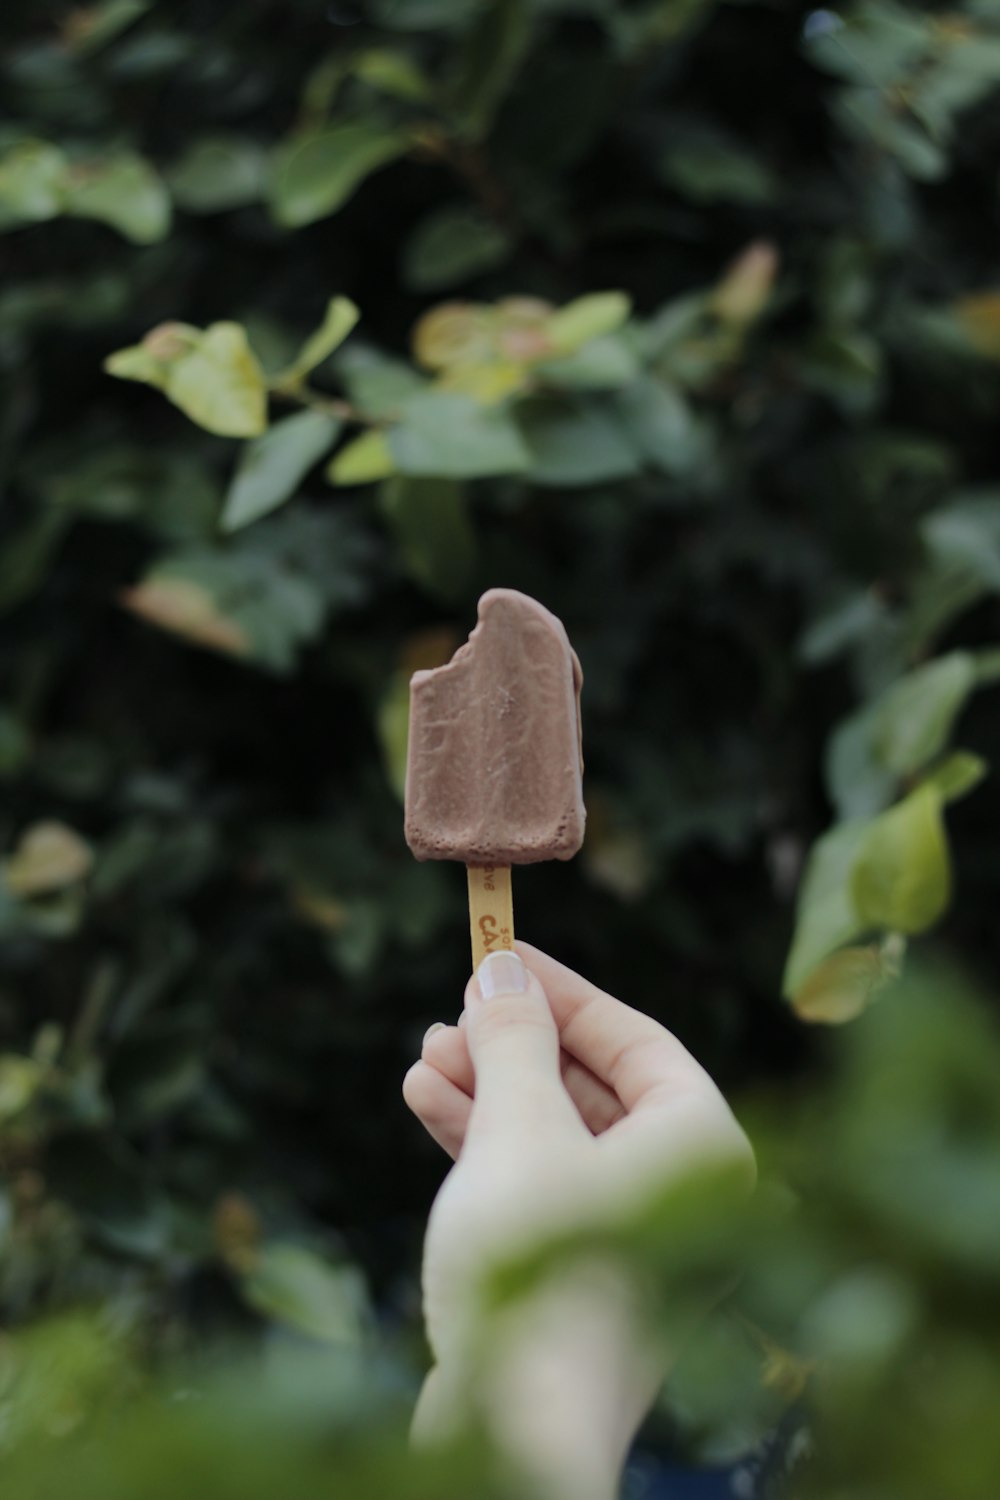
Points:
[[491, 910]]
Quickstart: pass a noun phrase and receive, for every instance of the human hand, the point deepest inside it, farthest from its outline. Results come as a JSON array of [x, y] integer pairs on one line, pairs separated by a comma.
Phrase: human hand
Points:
[[561, 1106]]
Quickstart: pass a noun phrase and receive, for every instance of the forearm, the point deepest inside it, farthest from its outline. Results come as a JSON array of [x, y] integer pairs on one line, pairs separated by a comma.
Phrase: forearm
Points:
[[562, 1389], [575, 1459]]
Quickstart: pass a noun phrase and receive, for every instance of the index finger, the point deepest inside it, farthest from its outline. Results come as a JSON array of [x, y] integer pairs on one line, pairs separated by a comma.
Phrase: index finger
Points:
[[627, 1050]]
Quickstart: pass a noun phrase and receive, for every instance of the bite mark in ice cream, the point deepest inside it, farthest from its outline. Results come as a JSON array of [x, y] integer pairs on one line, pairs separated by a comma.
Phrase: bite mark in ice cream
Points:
[[494, 767]]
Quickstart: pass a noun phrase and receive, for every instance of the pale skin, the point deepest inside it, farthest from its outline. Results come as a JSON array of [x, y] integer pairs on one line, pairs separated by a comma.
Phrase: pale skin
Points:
[[560, 1106]]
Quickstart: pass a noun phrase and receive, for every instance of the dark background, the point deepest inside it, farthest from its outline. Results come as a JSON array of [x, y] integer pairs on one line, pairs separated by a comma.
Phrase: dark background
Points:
[[207, 1050]]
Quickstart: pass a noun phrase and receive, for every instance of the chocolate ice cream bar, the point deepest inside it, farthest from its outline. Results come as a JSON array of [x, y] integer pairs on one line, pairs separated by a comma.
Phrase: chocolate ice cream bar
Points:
[[494, 770]]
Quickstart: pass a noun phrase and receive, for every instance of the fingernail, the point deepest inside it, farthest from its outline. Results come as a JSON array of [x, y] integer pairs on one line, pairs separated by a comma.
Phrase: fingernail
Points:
[[437, 1026], [502, 974]]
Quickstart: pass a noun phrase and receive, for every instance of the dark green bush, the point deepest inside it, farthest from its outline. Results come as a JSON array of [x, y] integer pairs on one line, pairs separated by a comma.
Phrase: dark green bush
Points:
[[679, 315]]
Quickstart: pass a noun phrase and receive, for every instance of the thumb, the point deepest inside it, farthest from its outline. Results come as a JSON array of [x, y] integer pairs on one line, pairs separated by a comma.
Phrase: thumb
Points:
[[512, 1036]]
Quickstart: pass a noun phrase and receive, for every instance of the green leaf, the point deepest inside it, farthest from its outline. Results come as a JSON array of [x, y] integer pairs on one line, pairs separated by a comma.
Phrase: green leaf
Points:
[[434, 536], [914, 719], [340, 318], [987, 664], [364, 459], [895, 736], [264, 594], [217, 174], [876, 46], [15, 744], [212, 375], [902, 877], [185, 606], [103, 1182], [32, 182], [661, 423], [966, 534], [122, 191], [26, 557], [160, 1072], [86, 30], [576, 445], [939, 593], [869, 117], [845, 365], [293, 1286], [956, 775], [451, 245], [377, 384], [271, 467], [241, 605], [426, 15], [655, 25], [587, 318], [858, 783], [840, 626], [491, 56], [712, 169], [447, 435], [168, 494], [314, 175], [391, 72], [826, 916], [601, 364]]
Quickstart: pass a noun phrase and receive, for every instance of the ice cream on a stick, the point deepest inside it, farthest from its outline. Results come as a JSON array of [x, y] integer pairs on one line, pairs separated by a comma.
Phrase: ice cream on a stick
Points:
[[494, 768]]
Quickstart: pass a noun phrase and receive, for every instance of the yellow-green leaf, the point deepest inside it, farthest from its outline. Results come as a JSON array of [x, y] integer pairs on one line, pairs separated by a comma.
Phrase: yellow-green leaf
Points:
[[978, 316], [745, 289], [188, 610], [363, 460], [340, 318], [212, 375], [901, 878], [957, 774], [393, 726], [86, 28], [841, 987], [454, 333], [49, 857], [219, 383], [393, 73], [587, 318], [825, 916], [20, 1078], [487, 384]]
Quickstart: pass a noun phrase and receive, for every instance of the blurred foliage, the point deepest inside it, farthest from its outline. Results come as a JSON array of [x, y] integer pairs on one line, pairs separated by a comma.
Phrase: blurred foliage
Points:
[[316, 320], [858, 1291], [856, 1304]]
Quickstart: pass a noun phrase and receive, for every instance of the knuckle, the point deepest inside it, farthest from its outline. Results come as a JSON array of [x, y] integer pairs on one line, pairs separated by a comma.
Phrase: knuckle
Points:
[[513, 1017]]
